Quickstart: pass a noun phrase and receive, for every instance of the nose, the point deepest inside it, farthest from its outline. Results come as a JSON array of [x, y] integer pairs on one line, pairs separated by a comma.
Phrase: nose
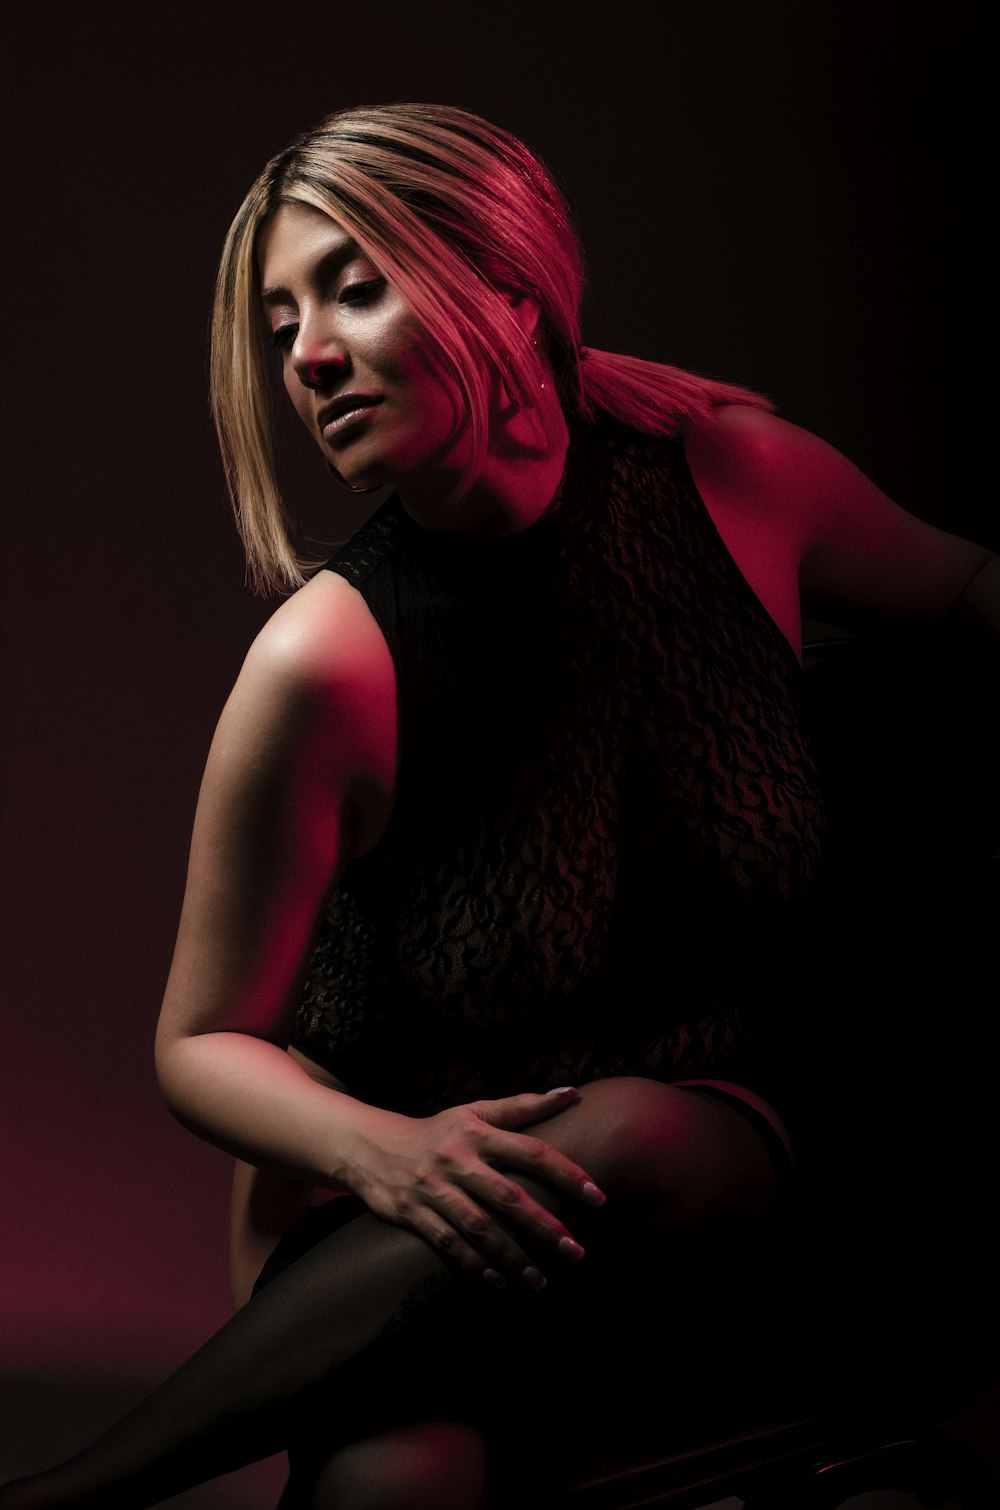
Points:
[[318, 358]]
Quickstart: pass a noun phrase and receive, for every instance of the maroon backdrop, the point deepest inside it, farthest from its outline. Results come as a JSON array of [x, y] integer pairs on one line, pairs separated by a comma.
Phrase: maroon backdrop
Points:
[[789, 196]]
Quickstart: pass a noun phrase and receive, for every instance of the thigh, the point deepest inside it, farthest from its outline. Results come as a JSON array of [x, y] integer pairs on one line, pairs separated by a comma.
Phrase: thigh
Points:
[[676, 1155]]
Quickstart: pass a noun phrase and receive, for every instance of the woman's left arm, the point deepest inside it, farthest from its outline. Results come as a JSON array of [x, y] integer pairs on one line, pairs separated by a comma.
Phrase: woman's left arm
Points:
[[860, 556], [866, 555]]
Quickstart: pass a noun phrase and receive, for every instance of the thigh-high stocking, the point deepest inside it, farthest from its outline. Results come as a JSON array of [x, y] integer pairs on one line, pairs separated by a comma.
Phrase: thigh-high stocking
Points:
[[239, 1398], [235, 1400]]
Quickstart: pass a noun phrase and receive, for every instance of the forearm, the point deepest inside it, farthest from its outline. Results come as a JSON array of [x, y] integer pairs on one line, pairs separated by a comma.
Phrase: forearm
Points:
[[250, 1097]]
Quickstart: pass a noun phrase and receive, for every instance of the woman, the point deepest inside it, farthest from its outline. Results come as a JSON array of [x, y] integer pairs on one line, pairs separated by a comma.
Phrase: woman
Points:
[[507, 831]]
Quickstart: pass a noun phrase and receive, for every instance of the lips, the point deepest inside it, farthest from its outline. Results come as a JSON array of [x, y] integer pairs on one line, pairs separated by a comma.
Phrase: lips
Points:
[[345, 412]]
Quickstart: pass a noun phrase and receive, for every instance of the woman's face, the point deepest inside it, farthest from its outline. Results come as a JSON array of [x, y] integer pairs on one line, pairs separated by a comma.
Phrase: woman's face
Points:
[[355, 364]]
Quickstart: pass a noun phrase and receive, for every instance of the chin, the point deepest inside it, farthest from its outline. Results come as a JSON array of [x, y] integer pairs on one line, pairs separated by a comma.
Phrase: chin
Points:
[[359, 471]]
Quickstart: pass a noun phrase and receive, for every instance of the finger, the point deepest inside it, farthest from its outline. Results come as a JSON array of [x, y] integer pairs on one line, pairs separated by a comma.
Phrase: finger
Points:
[[471, 1237], [531, 1155], [514, 1204], [530, 1106], [449, 1244]]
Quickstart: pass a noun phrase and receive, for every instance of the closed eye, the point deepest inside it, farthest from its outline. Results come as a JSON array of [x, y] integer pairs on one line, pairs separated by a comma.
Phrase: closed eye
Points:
[[365, 292], [283, 336]]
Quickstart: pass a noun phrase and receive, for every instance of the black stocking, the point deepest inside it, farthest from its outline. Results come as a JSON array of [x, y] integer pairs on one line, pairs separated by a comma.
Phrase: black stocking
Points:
[[244, 1395], [237, 1399]]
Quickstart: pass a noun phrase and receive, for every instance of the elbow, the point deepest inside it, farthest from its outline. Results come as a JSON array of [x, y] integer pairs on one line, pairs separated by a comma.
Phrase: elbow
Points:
[[167, 1062], [977, 607], [177, 1072], [186, 1078]]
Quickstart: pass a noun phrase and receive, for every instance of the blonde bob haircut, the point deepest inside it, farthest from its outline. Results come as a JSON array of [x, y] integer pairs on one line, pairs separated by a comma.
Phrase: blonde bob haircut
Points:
[[457, 215]]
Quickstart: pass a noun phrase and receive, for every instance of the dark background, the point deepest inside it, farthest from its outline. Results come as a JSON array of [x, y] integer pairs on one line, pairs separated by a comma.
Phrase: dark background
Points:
[[789, 195]]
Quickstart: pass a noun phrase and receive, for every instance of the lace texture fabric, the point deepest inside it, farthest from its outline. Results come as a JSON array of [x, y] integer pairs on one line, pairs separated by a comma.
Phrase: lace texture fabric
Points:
[[607, 820]]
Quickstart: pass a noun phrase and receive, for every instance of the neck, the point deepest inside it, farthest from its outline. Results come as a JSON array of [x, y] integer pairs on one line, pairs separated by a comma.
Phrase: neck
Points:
[[518, 480]]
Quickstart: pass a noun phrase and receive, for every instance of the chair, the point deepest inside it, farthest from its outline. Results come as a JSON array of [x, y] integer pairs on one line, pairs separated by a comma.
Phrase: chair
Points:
[[905, 736], [802, 1463]]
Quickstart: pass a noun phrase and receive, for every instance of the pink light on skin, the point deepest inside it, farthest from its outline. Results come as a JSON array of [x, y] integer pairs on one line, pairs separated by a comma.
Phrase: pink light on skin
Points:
[[353, 360], [369, 388]]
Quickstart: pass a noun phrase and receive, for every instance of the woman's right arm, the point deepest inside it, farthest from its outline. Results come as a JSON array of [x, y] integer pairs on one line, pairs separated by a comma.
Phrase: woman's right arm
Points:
[[300, 778], [301, 762]]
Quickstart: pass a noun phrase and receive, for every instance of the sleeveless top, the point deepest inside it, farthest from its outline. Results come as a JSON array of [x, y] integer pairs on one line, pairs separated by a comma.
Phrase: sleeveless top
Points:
[[607, 818]]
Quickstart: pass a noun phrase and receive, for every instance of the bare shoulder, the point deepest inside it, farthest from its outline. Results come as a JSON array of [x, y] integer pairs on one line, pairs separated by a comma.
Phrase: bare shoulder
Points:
[[320, 655], [733, 434], [771, 465], [732, 458], [314, 702], [322, 638]]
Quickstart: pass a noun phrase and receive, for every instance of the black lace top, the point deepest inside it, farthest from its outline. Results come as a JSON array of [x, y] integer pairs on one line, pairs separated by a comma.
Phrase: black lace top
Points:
[[607, 817]]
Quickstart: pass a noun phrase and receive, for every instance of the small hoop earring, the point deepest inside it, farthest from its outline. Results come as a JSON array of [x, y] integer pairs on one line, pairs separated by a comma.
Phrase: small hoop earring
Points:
[[348, 485]]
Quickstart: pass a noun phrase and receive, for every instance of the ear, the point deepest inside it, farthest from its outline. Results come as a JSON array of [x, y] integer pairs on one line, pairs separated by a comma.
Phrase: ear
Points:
[[525, 311]]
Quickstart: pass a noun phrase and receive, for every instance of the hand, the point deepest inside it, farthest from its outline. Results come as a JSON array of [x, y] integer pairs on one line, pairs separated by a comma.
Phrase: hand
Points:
[[448, 1178]]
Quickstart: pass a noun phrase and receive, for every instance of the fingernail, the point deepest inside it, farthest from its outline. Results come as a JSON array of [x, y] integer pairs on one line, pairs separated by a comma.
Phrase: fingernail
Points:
[[562, 1090], [492, 1277], [533, 1279], [592, 1194], [570, 1249]]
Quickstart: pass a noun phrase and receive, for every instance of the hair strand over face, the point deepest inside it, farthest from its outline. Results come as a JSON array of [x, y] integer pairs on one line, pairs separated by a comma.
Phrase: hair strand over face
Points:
[[458, 216]]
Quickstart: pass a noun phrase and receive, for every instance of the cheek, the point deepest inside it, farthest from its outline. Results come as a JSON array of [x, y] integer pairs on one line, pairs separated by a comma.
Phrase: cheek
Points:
[[444, 413], [431, 389], [395, 348]]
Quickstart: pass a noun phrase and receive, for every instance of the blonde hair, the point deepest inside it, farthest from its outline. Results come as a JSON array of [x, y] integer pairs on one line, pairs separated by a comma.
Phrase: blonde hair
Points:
[[456, 214]]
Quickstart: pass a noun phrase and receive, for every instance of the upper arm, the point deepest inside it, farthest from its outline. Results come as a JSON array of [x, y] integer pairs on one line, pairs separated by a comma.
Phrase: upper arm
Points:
[[858, 553], [301, 766]]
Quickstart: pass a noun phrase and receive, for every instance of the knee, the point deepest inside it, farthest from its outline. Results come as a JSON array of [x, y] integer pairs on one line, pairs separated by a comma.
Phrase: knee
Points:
[[642, 1135], [681, 1159], [435, 1465]]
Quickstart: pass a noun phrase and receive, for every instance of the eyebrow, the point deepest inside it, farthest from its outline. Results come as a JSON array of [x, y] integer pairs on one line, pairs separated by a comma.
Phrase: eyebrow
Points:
[[330, 263]]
